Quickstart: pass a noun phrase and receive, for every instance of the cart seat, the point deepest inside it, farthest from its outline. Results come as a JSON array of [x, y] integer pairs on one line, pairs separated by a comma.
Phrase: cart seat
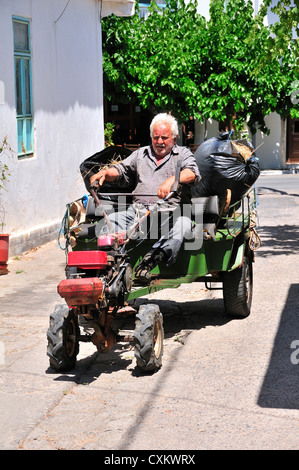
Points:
[[207, 207], [94, 211], [205, 213]]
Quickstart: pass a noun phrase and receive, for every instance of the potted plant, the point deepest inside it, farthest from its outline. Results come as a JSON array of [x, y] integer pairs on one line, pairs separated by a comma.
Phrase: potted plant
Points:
[[4, 237], [108, 133]]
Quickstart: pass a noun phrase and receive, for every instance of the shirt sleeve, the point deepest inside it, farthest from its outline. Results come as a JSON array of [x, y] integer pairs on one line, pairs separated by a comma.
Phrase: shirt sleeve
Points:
[[188, 161], [127, 171]]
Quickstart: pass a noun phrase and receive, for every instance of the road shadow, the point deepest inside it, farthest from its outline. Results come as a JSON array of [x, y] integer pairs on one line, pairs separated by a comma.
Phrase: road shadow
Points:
[[262, 190], [280, 388], [181, 316], [91, 367], [278, 240], [194, 315], [178, 317]]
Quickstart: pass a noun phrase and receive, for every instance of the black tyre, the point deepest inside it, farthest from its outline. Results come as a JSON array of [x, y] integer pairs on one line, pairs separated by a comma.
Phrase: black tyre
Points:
[[237, 289], [63, 339], [149, 336]]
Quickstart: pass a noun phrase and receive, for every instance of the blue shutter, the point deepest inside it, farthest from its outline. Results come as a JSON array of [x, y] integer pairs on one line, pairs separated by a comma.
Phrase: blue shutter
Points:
[[23, 87]]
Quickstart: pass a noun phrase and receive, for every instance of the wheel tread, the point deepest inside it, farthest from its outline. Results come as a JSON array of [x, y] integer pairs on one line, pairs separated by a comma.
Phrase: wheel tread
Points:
[[145, 355]]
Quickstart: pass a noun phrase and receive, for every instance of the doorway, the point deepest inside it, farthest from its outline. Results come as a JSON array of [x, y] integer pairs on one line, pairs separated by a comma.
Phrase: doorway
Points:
[[293, 140], [131, 123]]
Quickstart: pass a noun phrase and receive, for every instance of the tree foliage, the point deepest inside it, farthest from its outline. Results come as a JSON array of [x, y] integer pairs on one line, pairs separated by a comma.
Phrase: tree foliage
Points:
[[231, 67]]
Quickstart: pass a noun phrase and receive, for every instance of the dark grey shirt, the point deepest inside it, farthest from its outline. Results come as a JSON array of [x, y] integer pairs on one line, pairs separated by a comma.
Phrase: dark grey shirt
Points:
[[141, 169]]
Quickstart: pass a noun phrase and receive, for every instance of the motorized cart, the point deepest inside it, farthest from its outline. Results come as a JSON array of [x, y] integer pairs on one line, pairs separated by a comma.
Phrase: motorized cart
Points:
[[100, 285]]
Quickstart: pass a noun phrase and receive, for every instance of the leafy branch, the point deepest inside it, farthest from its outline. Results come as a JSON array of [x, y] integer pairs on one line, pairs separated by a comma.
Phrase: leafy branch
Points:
[[231, 68]]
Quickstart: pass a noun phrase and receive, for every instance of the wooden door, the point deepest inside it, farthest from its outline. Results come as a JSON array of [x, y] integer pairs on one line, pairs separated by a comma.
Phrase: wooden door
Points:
[[293, 141]]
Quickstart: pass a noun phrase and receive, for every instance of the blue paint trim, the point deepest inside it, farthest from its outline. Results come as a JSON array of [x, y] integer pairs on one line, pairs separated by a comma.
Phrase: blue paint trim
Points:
[[25, 116]]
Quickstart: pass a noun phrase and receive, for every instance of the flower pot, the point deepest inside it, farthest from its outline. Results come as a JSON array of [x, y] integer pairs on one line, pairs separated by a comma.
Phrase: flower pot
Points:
[[4, 246]]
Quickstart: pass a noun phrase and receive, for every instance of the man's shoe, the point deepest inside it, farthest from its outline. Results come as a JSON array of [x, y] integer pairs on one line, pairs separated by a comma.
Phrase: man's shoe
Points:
[[147, 264]]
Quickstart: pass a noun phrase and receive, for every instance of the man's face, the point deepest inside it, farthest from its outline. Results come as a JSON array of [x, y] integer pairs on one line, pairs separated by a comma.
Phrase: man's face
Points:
[[162, 140]]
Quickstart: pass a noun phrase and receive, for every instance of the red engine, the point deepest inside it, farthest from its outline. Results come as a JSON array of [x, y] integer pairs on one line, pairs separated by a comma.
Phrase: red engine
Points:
[[85, 289], [87, 259]]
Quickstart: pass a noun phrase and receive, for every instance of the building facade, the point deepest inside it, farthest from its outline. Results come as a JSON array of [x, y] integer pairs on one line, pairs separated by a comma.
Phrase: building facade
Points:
[[51, 108]]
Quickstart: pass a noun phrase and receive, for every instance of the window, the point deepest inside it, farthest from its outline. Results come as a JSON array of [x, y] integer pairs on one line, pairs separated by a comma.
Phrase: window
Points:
[[22, 56], [144, 4]]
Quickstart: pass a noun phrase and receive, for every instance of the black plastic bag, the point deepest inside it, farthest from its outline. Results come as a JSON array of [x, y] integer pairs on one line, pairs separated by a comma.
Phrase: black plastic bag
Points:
[[222, 167], [93, 164]]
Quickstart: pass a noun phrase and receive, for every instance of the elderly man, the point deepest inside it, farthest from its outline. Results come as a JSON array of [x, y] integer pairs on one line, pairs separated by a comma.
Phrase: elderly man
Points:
[[153, 168]]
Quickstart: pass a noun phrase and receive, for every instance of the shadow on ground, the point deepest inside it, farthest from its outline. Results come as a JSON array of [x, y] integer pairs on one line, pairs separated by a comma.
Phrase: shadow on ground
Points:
[[280, 388], [261, 190], [278, 240], [179, 318]]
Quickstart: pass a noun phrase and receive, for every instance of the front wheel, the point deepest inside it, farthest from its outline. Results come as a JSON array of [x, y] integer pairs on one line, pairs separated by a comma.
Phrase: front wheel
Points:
[[237, 289], [63, 339], [149, 336]]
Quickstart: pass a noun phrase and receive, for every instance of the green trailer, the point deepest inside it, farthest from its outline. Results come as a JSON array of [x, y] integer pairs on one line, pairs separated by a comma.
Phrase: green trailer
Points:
[[225, 256]]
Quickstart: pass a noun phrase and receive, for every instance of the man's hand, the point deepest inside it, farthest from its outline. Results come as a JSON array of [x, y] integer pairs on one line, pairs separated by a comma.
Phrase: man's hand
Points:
[[98, 177], [165, 187], [186, 176]]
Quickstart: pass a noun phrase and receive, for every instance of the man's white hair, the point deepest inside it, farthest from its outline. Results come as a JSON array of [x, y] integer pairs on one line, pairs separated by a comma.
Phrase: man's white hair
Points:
[[164, 118]]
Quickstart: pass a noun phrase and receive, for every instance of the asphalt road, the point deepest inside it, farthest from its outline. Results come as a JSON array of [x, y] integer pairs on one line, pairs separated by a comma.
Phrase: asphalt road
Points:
[[224, 384]]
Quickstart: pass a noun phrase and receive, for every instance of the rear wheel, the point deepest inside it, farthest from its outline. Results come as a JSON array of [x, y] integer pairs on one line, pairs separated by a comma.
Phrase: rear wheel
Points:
[[149, 336], [63, 339], [237, 289]]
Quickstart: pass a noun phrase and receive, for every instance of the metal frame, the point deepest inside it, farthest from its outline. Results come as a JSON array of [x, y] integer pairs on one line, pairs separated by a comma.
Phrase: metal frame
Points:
[[226, 253]]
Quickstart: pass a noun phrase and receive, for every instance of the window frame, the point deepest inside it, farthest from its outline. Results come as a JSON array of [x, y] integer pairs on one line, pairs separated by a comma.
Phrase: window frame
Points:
[[23, 92]]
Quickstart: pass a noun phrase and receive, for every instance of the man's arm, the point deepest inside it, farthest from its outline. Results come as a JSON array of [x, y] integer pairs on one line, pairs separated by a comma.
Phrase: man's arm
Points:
[[110, 174], [123, 171], [187, 176]]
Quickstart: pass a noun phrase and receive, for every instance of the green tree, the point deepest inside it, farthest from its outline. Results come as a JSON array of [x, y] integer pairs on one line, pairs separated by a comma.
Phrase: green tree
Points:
[[227, 68], [256, 80], [152, 60]]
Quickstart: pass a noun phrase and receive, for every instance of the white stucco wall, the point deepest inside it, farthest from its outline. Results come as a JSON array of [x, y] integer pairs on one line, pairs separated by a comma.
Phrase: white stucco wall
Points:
[[118, 7], [271, 151], [67, 105], [271, 146]]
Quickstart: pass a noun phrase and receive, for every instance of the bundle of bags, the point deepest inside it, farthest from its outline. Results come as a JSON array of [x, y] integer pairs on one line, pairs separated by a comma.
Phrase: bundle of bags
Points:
[[226, 164]]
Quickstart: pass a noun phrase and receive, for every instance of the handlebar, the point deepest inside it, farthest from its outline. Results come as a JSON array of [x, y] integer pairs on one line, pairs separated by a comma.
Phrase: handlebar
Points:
[[95, 186], [135, 227]]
